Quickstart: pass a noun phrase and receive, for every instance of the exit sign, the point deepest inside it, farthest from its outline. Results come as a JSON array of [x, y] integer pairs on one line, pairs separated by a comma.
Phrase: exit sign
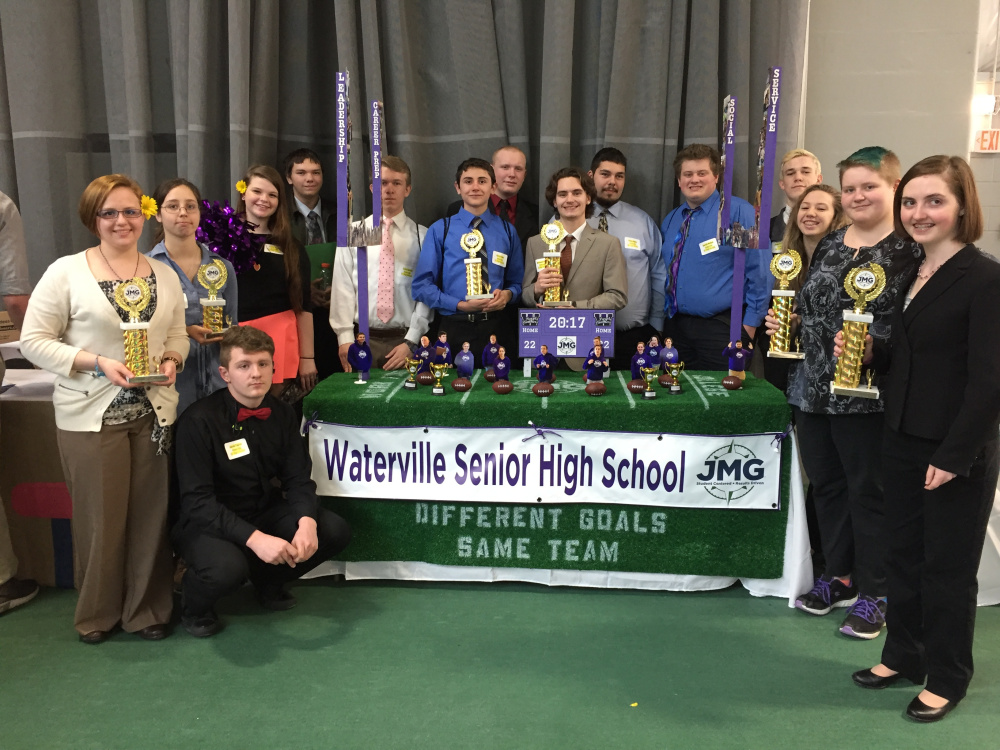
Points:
[[986, 142]]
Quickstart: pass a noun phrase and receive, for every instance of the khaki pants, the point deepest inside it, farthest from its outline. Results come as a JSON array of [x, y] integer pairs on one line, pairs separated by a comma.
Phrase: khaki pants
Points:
[[119, 490]]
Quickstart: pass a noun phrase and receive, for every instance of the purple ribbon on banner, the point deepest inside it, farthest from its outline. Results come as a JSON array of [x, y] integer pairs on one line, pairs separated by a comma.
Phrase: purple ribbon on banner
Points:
[[725, 222], [772, 97], [377, 119]]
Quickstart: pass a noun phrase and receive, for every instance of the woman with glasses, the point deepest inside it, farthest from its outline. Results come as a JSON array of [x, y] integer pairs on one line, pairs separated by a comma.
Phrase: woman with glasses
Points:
[[113, 434], [179, 214]]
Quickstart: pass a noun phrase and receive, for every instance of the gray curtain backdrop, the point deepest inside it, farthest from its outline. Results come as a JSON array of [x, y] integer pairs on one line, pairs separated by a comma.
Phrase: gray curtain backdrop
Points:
[[203, 88]]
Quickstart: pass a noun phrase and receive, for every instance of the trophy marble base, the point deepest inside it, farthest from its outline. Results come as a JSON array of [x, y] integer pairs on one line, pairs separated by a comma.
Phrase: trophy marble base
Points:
[[556, 303], [786, 355], [438, 390], [470, 297], [410, 385], [675, 387], [215, 335], [154, 378], [649, 394], [861, 391]]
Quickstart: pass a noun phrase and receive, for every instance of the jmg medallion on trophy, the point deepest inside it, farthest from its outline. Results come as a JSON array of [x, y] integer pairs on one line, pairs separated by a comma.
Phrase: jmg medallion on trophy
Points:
[[863, 284], [475, 286], [213, 277], [785, 266], [133, 296], [553, 234]]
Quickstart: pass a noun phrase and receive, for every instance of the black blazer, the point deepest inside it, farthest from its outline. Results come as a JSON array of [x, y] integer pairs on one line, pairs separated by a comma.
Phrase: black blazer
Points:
[[299, 231], [777, 230], [942, 362], [525, 222]]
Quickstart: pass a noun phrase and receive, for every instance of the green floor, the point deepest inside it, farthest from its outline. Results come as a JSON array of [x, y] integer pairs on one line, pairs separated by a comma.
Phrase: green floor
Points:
[[393, 665]]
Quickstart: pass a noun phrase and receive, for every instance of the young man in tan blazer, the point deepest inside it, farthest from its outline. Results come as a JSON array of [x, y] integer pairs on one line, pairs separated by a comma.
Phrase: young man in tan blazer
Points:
[[595, 275]]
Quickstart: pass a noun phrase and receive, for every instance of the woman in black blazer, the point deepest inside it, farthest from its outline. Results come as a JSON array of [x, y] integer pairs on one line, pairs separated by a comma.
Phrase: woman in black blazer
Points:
[[940, 454]]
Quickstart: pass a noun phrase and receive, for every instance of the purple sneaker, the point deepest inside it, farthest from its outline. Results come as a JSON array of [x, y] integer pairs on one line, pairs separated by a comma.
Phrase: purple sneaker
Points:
[[866, 618], [829, 592]]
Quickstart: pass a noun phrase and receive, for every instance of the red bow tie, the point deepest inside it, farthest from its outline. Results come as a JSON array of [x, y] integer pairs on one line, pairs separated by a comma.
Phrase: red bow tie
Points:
[[245, 413]]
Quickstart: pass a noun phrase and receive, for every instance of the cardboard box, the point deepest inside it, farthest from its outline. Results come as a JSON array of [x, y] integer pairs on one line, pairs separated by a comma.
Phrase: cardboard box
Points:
[[7, 330]]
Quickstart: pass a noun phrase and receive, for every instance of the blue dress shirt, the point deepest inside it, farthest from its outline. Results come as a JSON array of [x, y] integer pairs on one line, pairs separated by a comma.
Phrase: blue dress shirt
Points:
[[647, 273], [705, 282], [439, 281], [200, 375]]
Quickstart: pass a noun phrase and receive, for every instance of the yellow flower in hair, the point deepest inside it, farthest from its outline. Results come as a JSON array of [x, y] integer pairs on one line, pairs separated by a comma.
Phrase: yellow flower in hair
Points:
[[148, 207], [241, 187]]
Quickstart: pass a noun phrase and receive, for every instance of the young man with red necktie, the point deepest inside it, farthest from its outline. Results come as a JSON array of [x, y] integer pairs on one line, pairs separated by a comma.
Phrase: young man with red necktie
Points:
[[236, 521]]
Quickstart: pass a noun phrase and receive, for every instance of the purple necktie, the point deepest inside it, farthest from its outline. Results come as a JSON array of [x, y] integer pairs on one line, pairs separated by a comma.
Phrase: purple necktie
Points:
[[675, 262]]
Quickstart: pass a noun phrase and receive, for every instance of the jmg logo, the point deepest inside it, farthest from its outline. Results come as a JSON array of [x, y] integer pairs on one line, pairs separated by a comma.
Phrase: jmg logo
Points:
[[731, 472]]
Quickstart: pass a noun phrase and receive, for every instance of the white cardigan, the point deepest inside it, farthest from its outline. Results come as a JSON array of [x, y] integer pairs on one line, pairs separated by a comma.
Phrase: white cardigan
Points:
[[69, 312]]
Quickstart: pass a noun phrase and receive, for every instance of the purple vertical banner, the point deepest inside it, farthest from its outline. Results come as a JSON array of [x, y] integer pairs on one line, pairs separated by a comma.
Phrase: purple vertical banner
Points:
[[343, 155], [725, 221], [378, 130], [770, 144], [728, 157]]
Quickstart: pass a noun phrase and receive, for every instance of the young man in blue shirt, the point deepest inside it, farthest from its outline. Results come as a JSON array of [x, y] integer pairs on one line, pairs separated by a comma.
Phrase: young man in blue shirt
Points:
[[439, 281], [699, 286]]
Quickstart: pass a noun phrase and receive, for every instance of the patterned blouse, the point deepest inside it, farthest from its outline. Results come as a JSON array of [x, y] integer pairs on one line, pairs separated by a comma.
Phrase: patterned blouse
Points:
[[822, 302], [132, 403]]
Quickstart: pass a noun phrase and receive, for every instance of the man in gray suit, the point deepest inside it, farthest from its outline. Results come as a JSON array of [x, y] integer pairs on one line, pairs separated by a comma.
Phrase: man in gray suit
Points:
[[592, 265]]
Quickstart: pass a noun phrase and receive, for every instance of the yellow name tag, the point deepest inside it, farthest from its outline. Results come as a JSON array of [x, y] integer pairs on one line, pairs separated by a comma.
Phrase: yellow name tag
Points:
[[237, 448], [408, 272], [709, 246], [775, 247], [499, 259], [539, 264], [273, 249], [631, 243]]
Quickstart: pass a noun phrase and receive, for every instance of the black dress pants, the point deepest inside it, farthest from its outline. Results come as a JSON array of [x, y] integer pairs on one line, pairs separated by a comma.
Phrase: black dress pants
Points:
[[218, 567], [841, 455], [935, 544], [701, 341]]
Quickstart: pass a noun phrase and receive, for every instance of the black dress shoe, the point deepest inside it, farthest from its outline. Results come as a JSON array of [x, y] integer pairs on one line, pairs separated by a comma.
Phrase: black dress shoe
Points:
[[154, 632], [95, 636], [202, 626], [920, 711], [276, 598]]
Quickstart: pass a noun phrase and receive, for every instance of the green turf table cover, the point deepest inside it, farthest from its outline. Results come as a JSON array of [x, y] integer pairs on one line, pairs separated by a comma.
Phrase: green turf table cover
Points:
[[584, 536]]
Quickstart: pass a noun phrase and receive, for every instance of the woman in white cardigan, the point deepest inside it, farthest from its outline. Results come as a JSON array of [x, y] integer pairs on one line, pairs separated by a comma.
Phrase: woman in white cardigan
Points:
[[113, 436]]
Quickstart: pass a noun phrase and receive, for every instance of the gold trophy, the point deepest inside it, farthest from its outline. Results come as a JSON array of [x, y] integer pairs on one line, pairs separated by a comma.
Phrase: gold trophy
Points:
[[213, 277], [133, 295], [785, 266], [553, 234], [412, 365], [649, 375], [863, 284], [439, 369], [675, 369], [475, 287]]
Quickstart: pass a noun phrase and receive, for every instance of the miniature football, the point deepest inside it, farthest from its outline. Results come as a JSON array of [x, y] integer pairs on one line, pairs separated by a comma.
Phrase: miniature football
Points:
[[503, 387], [425, 378], [461, 384], [542, 388], [637, 386], [596, 389], [666, 380], [732, 383], [490, 375]]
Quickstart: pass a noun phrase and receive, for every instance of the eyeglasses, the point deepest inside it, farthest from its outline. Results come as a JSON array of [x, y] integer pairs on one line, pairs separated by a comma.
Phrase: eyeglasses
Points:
[[175, 208], [112, 213]]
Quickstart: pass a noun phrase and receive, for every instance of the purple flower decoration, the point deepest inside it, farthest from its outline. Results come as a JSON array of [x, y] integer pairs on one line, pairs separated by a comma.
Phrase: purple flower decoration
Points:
[[229, 236]]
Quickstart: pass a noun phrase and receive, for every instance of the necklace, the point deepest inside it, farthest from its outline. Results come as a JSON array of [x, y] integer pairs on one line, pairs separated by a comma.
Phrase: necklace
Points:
[[924, 275], [135, 273]]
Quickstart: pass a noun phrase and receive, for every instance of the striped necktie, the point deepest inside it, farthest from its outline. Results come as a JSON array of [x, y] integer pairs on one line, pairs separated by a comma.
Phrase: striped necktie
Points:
[[675, 261]]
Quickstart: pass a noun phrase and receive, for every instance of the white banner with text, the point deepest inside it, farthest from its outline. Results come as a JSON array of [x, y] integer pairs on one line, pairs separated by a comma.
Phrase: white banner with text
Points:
[[528, 465]]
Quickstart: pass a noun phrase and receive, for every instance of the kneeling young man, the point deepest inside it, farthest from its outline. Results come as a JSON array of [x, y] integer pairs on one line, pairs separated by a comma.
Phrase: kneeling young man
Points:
[[248, 506]]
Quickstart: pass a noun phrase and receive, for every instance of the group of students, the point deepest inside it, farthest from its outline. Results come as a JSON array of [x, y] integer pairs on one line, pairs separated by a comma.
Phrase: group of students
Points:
[[902, 484], [901, 518]]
